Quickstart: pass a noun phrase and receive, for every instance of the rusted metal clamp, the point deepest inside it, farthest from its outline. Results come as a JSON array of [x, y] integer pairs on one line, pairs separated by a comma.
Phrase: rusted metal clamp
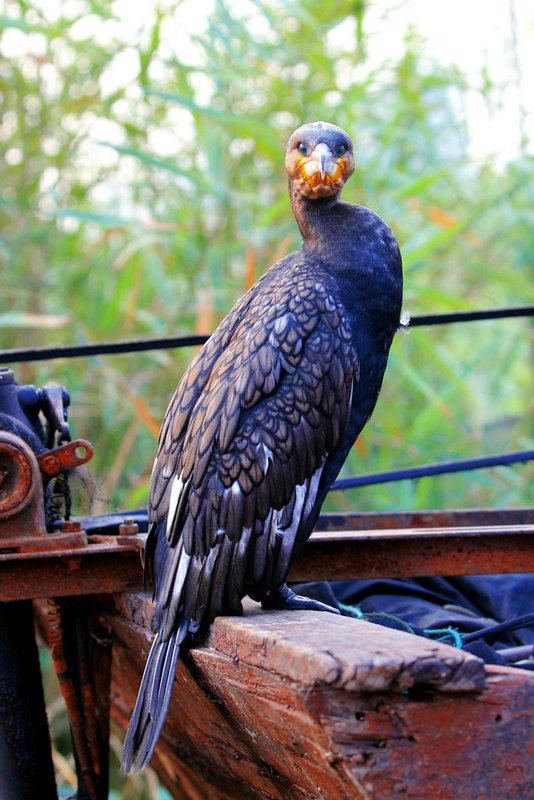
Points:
[[65, 457]]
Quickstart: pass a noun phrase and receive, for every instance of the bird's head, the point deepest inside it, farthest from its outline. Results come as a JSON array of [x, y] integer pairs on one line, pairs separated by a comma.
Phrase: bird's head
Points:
[[319, 159]]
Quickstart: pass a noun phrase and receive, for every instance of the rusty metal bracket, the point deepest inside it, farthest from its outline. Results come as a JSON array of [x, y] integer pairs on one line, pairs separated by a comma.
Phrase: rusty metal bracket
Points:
[[22, 518], [94, 568], [65, 457], [82, 660], [34, 563], [29, 558], [105, 564]]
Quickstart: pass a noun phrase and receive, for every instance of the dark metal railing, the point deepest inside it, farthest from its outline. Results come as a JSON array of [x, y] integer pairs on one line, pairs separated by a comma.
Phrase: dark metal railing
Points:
[[407, 473], [25, 354]]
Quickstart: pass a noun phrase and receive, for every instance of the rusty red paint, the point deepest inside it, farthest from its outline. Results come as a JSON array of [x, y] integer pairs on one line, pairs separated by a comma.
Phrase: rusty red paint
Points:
[[43, 544], [109, 564], [71, 526], [65, 636], [128, 528], [36, 564], [475, 550], [21, 492], [89, 569], [448, 518], [25, 548]]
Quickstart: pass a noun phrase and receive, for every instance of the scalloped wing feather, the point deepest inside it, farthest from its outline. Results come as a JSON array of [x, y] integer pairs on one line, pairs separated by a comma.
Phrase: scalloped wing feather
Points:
[[248, 463]]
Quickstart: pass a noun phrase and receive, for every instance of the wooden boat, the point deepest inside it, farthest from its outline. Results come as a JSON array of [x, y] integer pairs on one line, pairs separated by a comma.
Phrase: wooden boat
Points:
[[302, 705]]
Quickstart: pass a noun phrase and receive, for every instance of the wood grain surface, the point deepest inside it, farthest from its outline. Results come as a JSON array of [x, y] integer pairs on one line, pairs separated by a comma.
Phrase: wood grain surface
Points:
[[304, 705]]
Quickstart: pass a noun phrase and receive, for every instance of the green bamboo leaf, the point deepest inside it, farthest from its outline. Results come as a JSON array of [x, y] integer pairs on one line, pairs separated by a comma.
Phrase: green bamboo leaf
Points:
[[108, 220], [422, 183], [145, 56], [248, 125], [154, 161], [416, 251], [5, 249], [436, 298], [28, 27], [23, 319]]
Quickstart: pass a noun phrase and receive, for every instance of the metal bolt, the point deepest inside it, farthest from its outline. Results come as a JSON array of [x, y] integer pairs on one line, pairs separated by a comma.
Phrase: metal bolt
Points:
[[71, 526], [7, 376], [128, 527]]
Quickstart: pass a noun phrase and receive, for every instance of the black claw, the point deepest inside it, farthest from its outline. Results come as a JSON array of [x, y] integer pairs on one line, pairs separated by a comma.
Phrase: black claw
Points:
[[283, 598]]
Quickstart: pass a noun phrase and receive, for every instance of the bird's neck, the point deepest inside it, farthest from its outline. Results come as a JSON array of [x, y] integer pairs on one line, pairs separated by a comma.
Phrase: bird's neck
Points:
[[311, 214]]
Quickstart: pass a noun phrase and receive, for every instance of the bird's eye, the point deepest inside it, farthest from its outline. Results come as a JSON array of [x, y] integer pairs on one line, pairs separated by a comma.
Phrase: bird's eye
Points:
[[340, 149], [303, 149]]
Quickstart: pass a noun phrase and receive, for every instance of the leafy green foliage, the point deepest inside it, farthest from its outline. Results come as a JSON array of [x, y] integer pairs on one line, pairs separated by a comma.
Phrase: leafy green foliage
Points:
[[143, 189], [143, 204]]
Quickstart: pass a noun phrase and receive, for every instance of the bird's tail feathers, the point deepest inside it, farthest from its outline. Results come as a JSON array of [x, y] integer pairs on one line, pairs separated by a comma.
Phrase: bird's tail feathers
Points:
[[153, 700]]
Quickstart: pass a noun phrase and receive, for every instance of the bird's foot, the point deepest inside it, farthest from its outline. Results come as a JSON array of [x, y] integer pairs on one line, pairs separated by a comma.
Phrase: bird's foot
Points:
[[282, 598]]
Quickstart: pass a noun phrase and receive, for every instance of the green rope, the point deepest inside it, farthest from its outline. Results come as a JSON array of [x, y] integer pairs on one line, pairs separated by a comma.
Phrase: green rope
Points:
[[442, 634], [351, 611], [439, 634], [375, 616]]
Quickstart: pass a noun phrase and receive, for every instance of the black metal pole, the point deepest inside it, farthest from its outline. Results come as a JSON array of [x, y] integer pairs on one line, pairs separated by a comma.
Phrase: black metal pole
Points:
[[26, 768]]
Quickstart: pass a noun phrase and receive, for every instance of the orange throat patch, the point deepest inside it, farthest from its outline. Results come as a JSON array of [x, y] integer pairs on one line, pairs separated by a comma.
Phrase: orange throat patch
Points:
[[314, 178]]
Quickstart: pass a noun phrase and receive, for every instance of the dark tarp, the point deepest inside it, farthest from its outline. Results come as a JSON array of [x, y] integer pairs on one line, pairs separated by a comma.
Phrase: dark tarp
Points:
[[464, 604]]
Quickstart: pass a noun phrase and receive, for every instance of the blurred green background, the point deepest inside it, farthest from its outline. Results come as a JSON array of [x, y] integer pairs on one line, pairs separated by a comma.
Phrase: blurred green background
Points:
[[142, 190]]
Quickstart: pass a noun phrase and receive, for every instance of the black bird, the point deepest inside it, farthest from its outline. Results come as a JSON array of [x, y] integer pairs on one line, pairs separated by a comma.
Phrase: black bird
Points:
[[263, 419]]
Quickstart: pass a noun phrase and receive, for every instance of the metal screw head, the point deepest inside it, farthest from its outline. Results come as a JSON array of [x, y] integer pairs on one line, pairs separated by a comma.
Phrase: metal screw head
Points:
[[7, 376], [71, 526], [128, 528]]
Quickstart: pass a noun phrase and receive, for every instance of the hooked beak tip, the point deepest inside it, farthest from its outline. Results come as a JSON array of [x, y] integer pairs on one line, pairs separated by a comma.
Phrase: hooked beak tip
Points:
[[323, 165]]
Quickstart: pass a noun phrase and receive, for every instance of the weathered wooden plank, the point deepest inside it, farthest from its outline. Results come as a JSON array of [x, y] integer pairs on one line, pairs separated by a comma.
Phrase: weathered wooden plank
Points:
[[318, 648], [301, 706], [426, 744], [200, 756]]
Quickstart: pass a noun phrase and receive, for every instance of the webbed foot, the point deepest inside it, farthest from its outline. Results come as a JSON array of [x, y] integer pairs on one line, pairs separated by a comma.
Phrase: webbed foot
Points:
[[282, 598]]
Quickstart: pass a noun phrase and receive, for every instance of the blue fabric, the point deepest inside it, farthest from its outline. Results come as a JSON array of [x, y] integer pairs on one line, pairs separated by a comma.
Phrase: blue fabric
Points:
[[467, 604]]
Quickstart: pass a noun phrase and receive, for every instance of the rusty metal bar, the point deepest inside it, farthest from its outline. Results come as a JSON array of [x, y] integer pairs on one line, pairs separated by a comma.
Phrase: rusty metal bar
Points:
[[114, 564], [93, 569], [81, 653], [449, 518], [416, 552]]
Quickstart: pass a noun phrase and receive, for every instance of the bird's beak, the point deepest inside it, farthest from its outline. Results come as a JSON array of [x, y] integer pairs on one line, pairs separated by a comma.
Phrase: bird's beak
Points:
[[321, 157], [324, 161], [320, 167]]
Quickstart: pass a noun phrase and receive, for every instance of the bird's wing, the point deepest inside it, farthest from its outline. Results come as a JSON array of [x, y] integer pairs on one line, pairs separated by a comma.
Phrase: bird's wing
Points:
[[180, 409], [237, 474]]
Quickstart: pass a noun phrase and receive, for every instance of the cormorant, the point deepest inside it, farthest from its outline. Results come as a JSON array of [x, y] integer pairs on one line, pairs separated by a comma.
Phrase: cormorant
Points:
[[263, 419]]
